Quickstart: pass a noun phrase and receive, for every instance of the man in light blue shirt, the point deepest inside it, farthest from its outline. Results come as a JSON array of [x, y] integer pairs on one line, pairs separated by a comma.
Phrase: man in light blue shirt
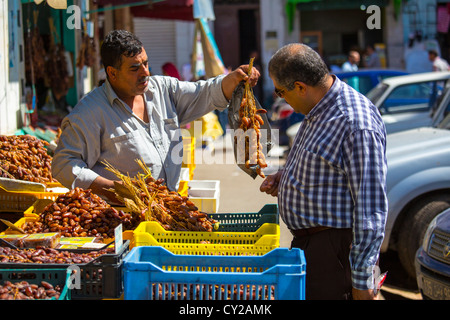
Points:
[[352, 63], [134, 116]]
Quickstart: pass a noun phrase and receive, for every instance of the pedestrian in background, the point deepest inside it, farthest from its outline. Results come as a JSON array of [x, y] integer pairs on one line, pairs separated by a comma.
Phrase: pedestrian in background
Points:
[[439, 64], [169, 69], [352, 62], [372, 59], [332, 189]]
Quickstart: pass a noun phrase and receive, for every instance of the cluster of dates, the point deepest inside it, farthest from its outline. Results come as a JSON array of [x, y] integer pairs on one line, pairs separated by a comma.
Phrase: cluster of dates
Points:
[[81, 213], [48, 255], [211, 292], [248, 140], [173, 211], [25, 291], [25, 158]]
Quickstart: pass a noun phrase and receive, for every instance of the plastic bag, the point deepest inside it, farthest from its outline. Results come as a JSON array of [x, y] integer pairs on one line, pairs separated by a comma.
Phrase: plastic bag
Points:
[[235, 122]]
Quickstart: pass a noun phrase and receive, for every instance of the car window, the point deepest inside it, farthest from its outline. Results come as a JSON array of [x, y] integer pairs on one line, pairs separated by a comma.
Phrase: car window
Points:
[[412, 97], [445, 124], [361, 84], [375, 94]]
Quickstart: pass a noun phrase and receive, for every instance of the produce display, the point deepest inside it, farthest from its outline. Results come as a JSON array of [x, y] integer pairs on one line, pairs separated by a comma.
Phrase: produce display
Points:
[[248, 140], [153, 201], [34, 240], [25, 291], [25, 157], [35, 62], [211, 292], [48, 255], [81, 213], [86, 55]]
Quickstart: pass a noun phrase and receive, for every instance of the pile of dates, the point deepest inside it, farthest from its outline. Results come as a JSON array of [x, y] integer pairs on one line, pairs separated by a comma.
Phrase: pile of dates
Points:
[[26, 291], [169, 291], [81, 213], [25, 158], [49, 256]]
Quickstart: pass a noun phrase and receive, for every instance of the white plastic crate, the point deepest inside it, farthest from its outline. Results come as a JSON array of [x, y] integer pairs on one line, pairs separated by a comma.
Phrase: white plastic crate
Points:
[[205, 194], [184, 175]]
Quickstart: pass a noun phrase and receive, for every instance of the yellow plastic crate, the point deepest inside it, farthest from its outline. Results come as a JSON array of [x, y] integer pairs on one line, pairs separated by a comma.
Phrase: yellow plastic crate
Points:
[[19, 201], [263, 240], [189, 155], [183, 188]]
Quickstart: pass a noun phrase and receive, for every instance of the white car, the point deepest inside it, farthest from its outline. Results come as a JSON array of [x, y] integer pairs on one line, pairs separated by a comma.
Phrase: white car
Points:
[[418, 182], [405, 102]]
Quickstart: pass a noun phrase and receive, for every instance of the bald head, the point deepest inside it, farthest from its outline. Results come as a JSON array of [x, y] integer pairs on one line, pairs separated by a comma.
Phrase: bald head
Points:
[[297, 62], [354, 57]]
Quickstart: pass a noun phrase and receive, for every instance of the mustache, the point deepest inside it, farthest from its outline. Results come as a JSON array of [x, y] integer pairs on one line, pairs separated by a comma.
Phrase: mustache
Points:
[[144, 79]]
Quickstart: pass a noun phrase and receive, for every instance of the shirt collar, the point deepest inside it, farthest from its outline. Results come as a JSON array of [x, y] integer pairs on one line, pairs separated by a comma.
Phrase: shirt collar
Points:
[[324, 103], [111, 94]]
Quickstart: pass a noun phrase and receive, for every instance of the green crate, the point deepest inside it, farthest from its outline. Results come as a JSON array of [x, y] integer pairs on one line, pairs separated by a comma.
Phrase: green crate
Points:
[[246, 222], [55, 277]]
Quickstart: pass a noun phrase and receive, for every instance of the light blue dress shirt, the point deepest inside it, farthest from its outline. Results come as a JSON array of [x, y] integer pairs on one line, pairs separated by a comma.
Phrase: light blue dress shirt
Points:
[[102, 127]]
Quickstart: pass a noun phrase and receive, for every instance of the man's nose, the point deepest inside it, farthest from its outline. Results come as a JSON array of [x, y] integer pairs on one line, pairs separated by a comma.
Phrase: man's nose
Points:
[[144, 71]]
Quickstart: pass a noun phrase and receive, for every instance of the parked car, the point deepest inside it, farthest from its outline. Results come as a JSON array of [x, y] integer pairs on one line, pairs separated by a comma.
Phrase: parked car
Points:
[[433, 260], [364, 80], [405, 102], [418, 183], [282, 117]]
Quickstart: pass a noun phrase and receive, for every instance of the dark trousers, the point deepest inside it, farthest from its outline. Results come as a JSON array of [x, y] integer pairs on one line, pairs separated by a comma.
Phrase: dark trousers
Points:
[[328, 271]]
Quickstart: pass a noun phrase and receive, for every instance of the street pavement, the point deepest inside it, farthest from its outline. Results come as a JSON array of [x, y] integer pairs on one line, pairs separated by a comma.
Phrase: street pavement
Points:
[[238, 191]]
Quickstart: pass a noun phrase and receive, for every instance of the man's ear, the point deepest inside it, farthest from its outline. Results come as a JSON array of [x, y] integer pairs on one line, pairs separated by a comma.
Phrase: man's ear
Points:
[[111, 72], [302, 87]]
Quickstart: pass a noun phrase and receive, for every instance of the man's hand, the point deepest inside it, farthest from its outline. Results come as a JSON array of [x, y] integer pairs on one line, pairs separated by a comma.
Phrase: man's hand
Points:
[[100, 187], [270, 184], [363, 294], [232, 80]]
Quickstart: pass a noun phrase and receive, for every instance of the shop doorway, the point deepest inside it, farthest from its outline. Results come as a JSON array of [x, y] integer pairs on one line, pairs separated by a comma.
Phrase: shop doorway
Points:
[[248, 36]]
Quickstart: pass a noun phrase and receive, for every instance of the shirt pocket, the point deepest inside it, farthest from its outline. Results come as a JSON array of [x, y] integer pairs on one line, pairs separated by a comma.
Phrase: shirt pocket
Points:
[[131, 146], [172, 129]]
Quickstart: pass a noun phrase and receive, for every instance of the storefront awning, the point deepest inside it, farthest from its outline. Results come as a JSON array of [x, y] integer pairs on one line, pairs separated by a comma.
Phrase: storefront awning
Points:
[[335, 5], [187, 10], [168, 9]]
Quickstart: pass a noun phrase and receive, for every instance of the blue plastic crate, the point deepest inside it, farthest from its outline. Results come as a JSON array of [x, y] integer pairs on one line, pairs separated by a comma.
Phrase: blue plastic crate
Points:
[[154, 273]]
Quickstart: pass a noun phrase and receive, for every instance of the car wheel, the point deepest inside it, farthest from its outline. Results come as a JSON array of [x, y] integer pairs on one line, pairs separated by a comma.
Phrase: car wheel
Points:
[[413, 229]]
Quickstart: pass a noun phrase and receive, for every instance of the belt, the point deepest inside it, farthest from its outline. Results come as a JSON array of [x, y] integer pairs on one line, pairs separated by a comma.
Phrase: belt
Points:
[[308, 231]]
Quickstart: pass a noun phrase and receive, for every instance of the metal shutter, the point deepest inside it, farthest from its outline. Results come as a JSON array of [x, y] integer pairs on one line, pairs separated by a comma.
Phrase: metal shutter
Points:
[[158, 37]]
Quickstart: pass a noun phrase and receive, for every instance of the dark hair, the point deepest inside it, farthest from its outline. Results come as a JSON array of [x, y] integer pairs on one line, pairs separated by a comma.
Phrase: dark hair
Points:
[[297, 62], [116, 44], [433, 52]]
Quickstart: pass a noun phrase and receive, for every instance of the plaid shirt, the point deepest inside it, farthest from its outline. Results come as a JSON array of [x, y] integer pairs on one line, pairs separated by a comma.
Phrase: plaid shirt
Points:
[[335, 175]]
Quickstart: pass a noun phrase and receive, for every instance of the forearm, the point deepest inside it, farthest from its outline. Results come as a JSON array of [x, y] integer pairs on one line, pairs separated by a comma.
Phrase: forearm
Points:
[[104, 187], [232, 80], [366, 172], [71, 163]]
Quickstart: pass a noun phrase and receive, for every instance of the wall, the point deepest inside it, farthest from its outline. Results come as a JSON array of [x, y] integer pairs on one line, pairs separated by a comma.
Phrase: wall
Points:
[[11, 67], [274, 34], [393, 33], [165, 41]]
